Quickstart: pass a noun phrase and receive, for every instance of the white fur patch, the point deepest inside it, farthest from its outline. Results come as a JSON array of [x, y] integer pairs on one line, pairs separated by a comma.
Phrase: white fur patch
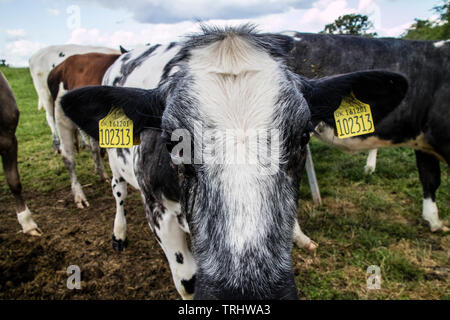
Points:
[[173, 243], [430, 214], [292, 34], [441, 43], [326, 134], [148, 74], [26, 220], [371, 162], [236, 87]]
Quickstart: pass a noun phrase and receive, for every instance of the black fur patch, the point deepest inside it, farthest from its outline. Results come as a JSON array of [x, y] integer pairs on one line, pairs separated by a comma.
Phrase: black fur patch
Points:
[[171, 45], [189, 285], [120, 154], [179, 257], [119, 245], [129, 66], [157, 237]]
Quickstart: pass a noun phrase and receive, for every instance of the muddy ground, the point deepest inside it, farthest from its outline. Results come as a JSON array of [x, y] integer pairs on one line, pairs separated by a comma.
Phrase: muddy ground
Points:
[[35, 268]]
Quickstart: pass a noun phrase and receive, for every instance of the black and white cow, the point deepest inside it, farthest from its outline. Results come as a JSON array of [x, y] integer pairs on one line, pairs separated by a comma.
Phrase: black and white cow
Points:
[[132, 70], [422, 121], [241, 214]]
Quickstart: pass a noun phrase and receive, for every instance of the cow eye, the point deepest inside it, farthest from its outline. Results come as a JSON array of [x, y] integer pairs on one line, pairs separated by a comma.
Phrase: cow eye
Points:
[[304, 139]]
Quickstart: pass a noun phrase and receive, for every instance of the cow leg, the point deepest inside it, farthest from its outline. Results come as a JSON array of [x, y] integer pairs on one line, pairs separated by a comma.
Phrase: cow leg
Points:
[[301, 240], [99, 167], [164, 220], [120, 192], [371, 162], [24, 216], [55, 139], [66, 131], [85, 141], [430, 177]]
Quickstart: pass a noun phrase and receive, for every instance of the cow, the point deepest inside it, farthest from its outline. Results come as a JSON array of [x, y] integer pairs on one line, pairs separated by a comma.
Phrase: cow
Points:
[[131, 70], [422, 122], [77, 71], [41, 63], [234, 83], [9, 118]]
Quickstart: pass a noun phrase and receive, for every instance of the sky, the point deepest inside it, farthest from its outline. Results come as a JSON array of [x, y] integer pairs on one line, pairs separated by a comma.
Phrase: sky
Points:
[[29, 25]]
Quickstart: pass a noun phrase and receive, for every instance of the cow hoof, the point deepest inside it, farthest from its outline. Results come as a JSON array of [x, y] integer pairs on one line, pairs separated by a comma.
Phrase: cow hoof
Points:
[[35, 232], [81, 204], [105, 177], [56, 147], [440, 228], [312, 246], [80, 200], [369, 170], [119, 245]]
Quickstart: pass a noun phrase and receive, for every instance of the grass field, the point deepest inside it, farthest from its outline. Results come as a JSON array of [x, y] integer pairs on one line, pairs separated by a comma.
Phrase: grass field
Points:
[[365, 220]]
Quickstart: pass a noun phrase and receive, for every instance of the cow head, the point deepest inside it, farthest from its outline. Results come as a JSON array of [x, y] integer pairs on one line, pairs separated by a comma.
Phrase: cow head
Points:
[[229, 99]]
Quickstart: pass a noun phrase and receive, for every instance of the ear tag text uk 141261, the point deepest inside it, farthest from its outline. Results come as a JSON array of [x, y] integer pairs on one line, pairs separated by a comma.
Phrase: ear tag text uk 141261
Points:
[[115, 130], [353, 118]]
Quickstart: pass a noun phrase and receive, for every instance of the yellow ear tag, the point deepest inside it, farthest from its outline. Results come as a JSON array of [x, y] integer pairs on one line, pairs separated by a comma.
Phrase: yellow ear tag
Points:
[[353, 118], [115, 130]]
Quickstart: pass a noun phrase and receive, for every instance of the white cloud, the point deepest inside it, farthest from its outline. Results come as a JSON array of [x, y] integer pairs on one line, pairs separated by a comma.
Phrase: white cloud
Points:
[[18, 52], [53, 12], [15, 34], [310, 16], [313, 19], [170, 11], [394, 31], [137, 35]]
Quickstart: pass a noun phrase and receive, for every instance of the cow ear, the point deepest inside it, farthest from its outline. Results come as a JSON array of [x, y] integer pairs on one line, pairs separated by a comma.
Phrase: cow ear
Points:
[[382, 90], [88, 105]]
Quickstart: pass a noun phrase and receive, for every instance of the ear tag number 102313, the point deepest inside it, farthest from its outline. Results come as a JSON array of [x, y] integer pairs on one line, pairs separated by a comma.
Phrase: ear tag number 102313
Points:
[[115, 130], [353, 118]]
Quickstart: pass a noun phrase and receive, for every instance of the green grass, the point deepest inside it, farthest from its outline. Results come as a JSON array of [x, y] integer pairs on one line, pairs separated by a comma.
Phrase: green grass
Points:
[[365, 220], [41, 170]]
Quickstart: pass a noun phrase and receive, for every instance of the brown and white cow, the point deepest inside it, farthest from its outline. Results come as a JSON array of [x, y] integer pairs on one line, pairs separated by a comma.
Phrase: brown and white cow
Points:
[[42, 63], [77, 71], [9, 118]]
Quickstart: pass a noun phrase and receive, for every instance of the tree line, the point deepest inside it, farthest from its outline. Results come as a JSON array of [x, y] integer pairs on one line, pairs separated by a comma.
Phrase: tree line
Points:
[[357, 24]]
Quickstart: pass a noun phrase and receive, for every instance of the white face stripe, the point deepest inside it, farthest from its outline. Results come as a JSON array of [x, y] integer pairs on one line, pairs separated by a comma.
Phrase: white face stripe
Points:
[[237, 91]]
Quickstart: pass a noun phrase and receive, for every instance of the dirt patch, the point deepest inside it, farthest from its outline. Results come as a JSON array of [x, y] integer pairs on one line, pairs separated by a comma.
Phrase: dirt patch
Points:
[[35, 268]]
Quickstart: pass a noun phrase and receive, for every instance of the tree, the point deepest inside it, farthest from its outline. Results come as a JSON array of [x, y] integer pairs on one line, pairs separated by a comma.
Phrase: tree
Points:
[[432, 30], [354, 24]]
